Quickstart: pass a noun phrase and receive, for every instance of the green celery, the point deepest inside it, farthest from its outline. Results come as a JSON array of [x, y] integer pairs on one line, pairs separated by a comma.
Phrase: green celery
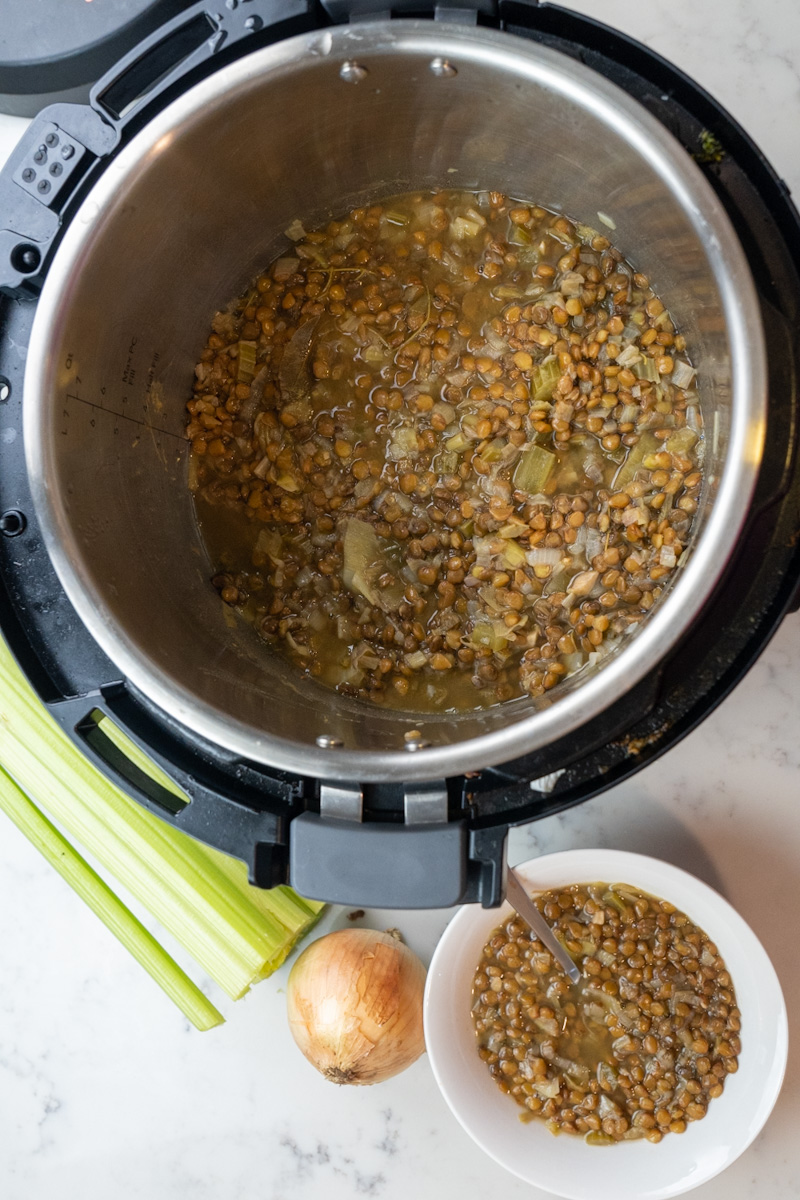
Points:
[[544, 380], [234, 931], [647, 444], [681, 441], [246, 362], [645, 368], [109, 908], [513, 555], [533, 470]]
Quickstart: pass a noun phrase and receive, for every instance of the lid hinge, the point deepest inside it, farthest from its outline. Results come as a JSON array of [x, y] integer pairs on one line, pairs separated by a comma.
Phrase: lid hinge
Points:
[[343, 802], [425, 803], [465, 12]]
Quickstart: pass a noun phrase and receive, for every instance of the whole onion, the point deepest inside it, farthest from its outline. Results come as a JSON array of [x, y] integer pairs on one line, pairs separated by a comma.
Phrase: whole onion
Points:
[[355, 1005]]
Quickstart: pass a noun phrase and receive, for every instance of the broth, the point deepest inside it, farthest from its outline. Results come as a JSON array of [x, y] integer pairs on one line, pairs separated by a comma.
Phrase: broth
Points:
[[445, 452]]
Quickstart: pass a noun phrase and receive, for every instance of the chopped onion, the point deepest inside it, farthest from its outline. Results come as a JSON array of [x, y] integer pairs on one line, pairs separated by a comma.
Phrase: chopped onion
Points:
[[416, 660], [304, 651], [583, 583], [572, 283], [629, 356], [607, 1107], [548, 1089], [541, 556], [284, 268], [693, 418]]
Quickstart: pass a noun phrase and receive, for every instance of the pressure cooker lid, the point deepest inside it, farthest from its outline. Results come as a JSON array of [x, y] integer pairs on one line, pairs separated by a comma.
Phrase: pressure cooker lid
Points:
[[52, 51]]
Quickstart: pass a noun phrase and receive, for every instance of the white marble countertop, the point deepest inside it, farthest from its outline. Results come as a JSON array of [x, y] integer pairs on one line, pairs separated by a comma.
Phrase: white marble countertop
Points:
[[107, 1094]]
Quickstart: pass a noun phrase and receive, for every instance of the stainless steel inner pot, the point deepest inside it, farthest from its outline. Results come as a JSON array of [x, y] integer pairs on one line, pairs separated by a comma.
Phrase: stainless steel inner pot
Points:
[[197, 203]]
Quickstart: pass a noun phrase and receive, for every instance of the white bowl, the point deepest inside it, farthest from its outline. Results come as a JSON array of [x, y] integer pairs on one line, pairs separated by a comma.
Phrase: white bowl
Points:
[[633, 1169]]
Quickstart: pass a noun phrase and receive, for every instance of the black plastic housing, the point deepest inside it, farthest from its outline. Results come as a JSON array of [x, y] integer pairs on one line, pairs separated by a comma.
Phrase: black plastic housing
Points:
[[246, 809]]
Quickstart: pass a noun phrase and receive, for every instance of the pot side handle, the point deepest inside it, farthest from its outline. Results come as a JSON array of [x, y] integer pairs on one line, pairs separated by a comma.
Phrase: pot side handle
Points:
[[247, 818], [197, 41]]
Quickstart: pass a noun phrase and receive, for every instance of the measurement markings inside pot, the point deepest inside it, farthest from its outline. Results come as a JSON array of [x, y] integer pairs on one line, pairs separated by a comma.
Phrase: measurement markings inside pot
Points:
[[112, 412]]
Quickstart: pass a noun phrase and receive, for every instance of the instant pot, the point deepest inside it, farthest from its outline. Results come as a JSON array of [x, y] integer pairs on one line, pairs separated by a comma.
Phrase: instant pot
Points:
[[126, 221]]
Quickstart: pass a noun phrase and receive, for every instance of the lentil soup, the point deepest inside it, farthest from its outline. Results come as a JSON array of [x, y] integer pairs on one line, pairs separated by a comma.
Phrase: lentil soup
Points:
[[639, 1047], [446, 452]]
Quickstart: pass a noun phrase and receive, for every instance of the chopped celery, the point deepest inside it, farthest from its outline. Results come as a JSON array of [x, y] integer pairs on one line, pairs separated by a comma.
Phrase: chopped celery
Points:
[[645, 368], [375, 353], [516, 527], [681, 441], [534, 469], [246, 362], [403, 443], [463, 227], [596, 1138], [233, 931], [494, 450], [396, 218], [647, 444], [485, 634], [513, 555], [107, 906], [544, 380], [446, 463], [683, 375]]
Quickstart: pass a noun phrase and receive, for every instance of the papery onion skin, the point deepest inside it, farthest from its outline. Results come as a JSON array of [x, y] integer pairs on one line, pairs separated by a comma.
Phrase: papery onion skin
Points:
[[354, 1002]]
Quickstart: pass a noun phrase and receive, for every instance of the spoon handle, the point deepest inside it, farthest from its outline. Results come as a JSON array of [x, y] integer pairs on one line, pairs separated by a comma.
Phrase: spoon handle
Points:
[[518, 898]]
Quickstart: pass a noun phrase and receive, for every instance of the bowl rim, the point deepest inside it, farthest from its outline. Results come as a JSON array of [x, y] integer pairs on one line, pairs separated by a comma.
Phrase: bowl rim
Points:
[[582, 865]]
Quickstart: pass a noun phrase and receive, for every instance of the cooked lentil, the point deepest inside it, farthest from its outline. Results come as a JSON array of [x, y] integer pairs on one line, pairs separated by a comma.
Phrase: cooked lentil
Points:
[[639, 1047], [438, 455]]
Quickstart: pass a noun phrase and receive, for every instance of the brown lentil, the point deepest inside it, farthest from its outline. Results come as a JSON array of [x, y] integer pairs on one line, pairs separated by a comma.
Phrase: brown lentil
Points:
[[590, 1057], [396, 374]]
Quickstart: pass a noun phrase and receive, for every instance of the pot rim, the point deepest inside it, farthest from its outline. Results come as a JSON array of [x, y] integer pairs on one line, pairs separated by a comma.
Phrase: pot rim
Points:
[[707, 561]]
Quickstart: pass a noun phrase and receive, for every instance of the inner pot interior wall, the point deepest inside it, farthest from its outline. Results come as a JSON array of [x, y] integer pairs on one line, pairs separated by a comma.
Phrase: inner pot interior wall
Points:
[[176, 236]]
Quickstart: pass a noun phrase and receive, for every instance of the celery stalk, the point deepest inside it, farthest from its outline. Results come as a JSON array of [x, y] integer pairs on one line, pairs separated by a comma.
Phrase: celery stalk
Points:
[[236, 933], [108, 907], [534, 469], [543, 381], [246, 362]]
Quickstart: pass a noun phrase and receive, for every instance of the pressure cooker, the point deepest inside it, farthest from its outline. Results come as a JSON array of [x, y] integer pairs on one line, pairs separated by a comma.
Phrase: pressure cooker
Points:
[[126, 221]]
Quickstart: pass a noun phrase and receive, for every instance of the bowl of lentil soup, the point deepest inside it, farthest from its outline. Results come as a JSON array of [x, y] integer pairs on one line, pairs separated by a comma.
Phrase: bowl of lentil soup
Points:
[[656, 1073]]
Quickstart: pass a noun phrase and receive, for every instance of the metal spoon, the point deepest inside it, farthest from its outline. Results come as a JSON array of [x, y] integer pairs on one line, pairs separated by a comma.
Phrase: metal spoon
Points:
[[518, 898]]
